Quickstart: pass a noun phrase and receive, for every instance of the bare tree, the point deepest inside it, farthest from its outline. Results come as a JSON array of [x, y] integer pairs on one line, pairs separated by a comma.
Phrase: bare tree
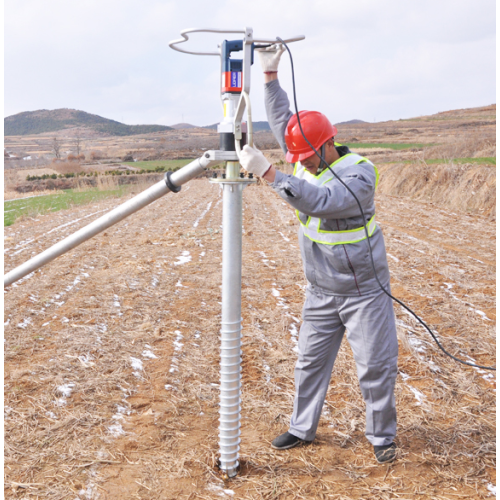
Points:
[[78, 141], [56, 148]]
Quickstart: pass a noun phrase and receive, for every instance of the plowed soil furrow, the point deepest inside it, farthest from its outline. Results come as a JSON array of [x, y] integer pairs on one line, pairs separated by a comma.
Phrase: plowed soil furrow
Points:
[[112, 358]]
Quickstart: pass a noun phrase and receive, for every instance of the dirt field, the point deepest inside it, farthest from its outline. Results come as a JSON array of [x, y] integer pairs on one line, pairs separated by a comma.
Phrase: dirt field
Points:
[[112, 359]]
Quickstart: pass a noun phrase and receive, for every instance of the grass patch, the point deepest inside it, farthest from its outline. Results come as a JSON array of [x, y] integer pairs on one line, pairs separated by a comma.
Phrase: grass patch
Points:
[[397, 146], [152, 165], [38, 205]]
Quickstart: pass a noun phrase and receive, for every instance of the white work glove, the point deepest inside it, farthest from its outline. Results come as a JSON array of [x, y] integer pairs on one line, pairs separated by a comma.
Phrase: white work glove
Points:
[[270, 57], [253, 161]]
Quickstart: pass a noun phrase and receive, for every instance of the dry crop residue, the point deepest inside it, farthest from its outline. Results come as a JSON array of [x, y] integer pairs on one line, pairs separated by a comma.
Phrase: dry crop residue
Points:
[[112, 359]]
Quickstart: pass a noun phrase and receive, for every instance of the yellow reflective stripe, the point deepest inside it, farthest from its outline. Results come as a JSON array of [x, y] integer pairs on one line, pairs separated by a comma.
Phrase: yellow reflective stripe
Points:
[[335, 243], [297, 213], [370, 222], [317, 177], [335, 162], [376, 169], [339, 237], [316, 224]]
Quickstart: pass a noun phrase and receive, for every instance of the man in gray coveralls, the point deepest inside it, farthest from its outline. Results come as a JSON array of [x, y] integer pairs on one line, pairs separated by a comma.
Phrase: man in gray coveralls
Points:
[[342, 293]]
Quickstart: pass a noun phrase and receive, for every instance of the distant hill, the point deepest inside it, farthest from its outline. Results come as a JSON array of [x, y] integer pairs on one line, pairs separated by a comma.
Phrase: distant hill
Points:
[[181, 126], [44, 120], [351, 122], [257, 126]]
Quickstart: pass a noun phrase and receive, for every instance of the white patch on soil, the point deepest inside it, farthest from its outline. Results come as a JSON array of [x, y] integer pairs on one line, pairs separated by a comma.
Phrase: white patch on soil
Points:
[[487, 375], [25, 323], [73, 221], [482, 314], [174, 367], [137, 366], [75, 282], [197, 221], [22, 280], [219, 490], [65, 391], [268, 376], [418, 395], [392, 257], [116, 430], [177, 342], [183, 258], [449, 286], [116, 303]]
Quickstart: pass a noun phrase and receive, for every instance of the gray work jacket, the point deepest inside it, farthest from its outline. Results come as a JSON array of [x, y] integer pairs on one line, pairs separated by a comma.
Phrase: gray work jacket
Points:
[[343, 270]]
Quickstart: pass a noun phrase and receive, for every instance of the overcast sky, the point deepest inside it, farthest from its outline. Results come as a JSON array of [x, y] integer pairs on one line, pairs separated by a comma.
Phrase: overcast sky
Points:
[[365, 59]]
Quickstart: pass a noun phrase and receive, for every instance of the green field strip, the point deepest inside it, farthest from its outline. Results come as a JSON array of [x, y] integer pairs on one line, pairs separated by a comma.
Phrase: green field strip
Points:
[[39, 205], [154, 164], [395, 146]]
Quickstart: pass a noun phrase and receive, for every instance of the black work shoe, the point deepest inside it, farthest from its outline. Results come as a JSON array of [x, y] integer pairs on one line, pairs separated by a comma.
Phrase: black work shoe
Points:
[[385, 454], [286, 441]]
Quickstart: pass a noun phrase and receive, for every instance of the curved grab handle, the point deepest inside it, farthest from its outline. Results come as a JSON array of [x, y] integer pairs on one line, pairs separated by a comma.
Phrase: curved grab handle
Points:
[[274, 40], [185, 38], [237, 143]]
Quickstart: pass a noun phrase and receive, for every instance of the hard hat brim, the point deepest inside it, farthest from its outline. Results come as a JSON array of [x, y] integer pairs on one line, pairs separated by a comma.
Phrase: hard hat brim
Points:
[[294, 158]]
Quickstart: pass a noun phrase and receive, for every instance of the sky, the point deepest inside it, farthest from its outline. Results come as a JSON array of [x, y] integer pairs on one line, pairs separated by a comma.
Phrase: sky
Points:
[[362, 59]]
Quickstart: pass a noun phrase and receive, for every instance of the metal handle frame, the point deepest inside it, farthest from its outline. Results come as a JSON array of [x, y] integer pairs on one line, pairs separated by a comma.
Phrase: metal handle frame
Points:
[[185, 38]]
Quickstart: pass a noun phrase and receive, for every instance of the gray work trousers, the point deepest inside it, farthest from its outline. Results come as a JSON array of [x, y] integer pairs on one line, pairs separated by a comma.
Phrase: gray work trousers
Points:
[[371, 332]]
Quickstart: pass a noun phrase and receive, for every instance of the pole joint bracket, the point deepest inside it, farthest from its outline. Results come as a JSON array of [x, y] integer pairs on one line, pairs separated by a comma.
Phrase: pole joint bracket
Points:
[[170, 184]]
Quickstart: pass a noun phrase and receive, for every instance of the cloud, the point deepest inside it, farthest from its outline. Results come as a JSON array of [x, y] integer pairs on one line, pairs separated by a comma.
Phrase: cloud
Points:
[[361, 59]]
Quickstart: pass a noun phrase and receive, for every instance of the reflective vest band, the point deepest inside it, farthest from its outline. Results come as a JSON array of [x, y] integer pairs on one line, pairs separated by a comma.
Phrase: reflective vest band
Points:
[[314, 233]]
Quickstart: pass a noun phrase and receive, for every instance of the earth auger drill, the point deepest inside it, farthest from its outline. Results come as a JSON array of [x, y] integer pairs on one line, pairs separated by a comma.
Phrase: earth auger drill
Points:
[[233, 134]]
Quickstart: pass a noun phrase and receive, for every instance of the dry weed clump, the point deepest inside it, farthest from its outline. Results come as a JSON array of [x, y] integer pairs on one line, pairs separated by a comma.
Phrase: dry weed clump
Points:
[[465, 145], [467, 188], [106, 182], [11, 178], [67, 167], [12, 194]]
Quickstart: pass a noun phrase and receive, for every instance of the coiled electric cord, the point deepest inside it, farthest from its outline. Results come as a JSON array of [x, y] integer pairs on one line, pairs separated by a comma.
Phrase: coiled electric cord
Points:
[[421, 321]]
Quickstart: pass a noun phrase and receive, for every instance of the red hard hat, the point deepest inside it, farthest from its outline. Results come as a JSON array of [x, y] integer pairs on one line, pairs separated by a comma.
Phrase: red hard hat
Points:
[[317, 129]]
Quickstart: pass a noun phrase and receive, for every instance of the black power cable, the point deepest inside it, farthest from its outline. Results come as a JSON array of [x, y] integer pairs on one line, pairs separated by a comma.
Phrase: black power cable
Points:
[[421, 321]]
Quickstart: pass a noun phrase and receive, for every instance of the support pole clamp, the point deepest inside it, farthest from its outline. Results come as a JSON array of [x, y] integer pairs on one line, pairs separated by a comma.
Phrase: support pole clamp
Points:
[[170, 185]]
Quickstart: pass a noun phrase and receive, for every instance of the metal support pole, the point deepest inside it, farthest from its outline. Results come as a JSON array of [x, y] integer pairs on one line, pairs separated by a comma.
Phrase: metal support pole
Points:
[[119, 213]]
